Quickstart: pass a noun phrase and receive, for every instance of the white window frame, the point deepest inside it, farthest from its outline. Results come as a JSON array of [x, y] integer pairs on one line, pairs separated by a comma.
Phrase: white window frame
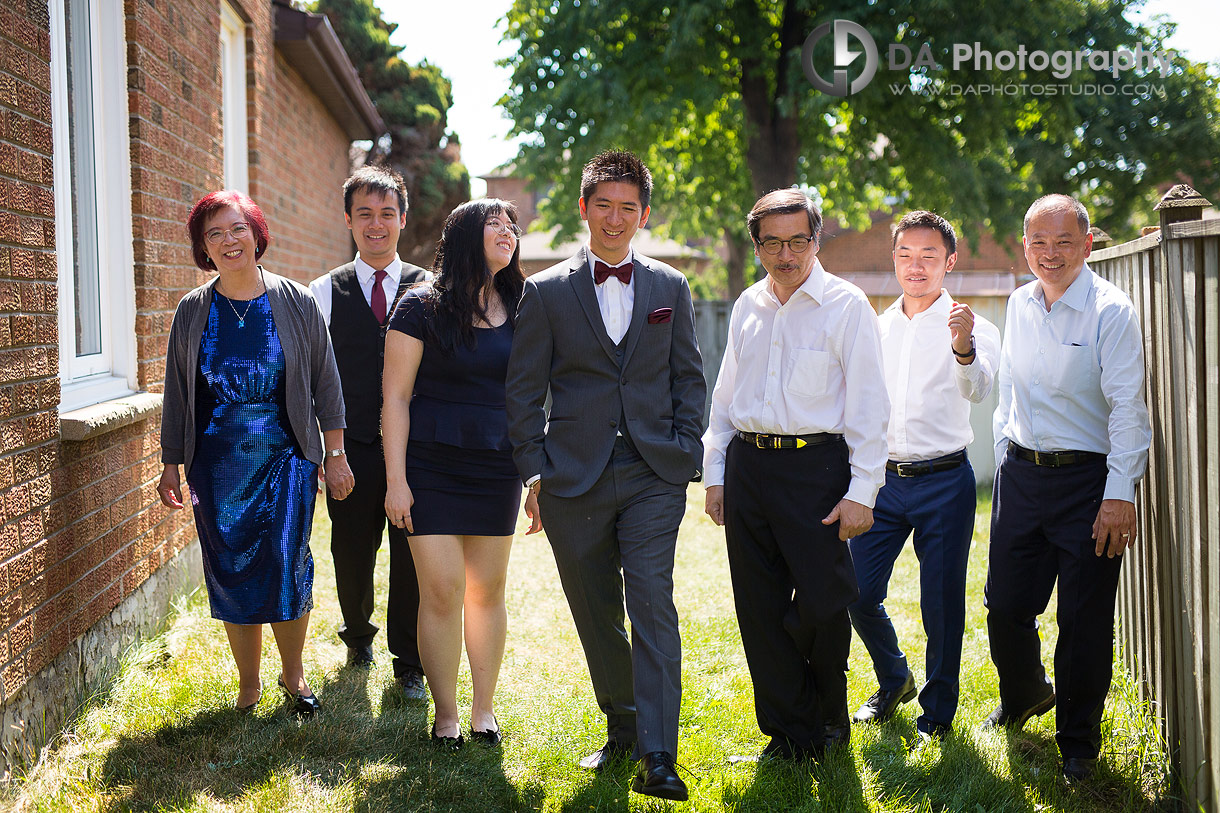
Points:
[[111, 373], [233, 99]]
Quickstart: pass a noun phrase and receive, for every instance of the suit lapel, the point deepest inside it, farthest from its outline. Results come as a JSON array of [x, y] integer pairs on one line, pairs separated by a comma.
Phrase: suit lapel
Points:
[[643, 277], [582, 284]]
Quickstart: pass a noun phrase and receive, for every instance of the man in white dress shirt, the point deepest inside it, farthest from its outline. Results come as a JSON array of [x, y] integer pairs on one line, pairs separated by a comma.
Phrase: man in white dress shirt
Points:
[[1072, 437], [356, 300], [939, 359], [794, 456]]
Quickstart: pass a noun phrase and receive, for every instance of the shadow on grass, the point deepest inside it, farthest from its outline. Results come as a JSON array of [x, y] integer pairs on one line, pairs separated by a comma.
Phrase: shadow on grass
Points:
[[386, 760], [606, 790], [832, 784]]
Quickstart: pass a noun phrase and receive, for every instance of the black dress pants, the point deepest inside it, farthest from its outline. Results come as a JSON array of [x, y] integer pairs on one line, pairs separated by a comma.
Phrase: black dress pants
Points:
[[1041, 531], [792, 582], [357, 524]]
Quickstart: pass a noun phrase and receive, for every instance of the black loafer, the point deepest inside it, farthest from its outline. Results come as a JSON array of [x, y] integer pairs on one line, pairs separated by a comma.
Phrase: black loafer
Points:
[[302, 706], [657, 777], [1078, 769], [613, 751], [882, 705], [1002, 718], [491, 737], [412, 684], [360, 656], [447, 743]]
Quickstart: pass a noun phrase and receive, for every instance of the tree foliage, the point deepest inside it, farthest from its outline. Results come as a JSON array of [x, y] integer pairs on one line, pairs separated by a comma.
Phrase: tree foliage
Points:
[[414, 102], [713, 93]]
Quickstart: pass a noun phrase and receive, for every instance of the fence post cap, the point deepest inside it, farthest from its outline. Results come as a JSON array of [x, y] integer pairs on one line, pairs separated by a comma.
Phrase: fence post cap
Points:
[[1100, 238], [1182, 196]]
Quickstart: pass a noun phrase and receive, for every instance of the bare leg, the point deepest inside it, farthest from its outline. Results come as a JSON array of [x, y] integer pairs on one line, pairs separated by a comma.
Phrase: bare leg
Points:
[[486, 621], [290, 641], [246, 641], [442, 583]]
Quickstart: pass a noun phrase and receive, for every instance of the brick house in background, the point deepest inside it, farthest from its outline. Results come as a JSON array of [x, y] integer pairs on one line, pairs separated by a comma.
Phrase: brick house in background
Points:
[[115, 117]]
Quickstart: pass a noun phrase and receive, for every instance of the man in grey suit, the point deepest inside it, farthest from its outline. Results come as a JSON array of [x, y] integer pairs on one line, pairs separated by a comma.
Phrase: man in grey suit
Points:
[[611, 334]]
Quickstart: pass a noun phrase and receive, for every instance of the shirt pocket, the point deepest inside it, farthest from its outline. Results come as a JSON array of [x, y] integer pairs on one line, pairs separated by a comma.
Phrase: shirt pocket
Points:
[[1075, 369], [808, 372]]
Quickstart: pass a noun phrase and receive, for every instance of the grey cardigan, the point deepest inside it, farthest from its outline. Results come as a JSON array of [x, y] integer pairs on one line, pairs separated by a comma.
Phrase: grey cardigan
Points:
[[314, 394]]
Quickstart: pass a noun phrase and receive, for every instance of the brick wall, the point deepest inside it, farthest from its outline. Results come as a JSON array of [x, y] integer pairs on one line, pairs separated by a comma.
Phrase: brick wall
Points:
[[844, 251], [81, 528]]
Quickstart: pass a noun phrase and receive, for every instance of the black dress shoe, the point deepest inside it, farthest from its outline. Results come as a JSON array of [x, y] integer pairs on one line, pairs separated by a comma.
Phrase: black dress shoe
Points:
[[604, 757], [491, 737], [360, 656], [1002, 718], [657, 777], [412, 684], [447, 743], [1078, 769], [302, 706], [882, 705], [838, 732], [932, 731]]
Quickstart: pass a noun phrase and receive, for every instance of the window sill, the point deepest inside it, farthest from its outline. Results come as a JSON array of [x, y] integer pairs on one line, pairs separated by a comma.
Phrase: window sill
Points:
[[91, 421]]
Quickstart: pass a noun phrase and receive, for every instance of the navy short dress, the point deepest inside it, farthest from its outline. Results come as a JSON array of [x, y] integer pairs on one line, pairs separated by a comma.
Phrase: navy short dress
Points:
[[459, 461], [252, 488]]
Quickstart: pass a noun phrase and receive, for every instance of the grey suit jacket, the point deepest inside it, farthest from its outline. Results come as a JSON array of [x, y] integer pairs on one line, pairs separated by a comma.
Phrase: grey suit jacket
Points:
[[653, 379]]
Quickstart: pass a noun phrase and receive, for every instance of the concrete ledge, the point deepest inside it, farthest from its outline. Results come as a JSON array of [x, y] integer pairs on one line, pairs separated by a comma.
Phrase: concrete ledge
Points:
[[51, 699], [91, 421]]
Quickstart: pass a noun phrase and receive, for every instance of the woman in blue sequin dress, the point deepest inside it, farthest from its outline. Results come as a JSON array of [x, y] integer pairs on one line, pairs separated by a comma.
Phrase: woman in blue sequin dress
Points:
[[450, 478], [250, 375]]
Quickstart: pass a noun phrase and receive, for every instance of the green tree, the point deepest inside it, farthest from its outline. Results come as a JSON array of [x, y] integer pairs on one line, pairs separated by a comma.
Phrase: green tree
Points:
[[414, 101], [713, 93]]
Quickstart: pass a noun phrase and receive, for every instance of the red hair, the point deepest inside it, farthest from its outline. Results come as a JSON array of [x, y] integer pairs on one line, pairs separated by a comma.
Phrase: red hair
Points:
[[212, 203]]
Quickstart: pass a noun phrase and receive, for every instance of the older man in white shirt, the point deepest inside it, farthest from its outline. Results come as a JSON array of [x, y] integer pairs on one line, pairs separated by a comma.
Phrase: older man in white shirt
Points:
[[794, 455], [1072, 436], [939, 360]]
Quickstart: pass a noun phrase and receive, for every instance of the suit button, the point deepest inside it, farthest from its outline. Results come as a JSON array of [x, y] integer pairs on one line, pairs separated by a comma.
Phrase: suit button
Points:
[[618, 352], [613, 424], [623, 382]]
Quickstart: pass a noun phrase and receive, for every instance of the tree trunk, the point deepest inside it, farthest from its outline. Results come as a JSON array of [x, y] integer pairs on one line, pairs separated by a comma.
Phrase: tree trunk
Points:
[[739, 254]]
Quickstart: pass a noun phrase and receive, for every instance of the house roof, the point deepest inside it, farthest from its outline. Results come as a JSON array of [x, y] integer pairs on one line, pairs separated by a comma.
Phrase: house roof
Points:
[[536, 246], [310, 45], [966, 283]]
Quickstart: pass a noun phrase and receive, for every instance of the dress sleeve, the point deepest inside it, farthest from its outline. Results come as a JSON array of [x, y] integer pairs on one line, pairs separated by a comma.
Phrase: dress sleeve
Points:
[[408, 316]]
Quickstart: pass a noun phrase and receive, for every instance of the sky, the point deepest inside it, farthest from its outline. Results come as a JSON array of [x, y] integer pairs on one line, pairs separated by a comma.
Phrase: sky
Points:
[[466, 48]]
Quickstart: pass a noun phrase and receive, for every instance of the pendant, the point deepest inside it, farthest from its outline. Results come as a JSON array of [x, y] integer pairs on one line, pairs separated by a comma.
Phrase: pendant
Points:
[[241, 322]]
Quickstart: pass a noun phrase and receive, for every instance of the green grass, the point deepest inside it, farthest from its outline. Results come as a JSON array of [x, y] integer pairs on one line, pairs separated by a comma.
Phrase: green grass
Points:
[[163, 736]]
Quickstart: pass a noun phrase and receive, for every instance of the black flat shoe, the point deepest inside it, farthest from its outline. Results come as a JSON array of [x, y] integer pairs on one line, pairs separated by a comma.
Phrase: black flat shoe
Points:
[[250, 708], [449, 743], [491, 738], [302, 706]]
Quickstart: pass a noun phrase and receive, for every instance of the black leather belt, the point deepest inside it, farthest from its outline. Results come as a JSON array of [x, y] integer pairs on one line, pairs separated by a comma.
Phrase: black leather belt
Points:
[[1054, 459], [763, 441], [918, 467]]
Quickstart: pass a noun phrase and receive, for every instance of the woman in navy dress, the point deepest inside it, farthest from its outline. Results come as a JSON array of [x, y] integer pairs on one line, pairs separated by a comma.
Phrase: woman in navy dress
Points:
[[249, 376], [451, 480]]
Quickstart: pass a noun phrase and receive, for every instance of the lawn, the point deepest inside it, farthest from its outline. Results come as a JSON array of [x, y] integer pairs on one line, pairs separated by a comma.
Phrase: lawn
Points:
[[164, 736]]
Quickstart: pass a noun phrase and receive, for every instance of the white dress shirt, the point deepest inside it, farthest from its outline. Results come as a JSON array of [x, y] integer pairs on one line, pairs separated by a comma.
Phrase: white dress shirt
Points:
[[930, 393], [614, 299], [1073, 378], [812, 364], [365, 274]]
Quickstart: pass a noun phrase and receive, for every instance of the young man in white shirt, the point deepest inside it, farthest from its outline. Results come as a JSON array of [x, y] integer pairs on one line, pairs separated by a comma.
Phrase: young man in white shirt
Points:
[[1072, 435], [794, 455], [939, 360]]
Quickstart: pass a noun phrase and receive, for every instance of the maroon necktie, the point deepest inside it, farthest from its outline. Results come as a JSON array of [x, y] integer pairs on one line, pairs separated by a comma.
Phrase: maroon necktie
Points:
[[601, 272], [378, 299]]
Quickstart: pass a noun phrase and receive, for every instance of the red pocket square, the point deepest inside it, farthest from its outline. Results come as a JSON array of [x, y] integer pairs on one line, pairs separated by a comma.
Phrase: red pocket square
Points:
[[660, 316]]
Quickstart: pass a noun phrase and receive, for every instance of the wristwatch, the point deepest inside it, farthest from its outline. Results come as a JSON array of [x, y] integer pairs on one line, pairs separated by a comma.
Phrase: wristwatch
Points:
[[964, 355], [336, 453]]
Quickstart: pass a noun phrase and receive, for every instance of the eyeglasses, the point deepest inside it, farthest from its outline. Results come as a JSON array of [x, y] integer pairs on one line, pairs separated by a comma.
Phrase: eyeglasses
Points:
[[797, 244], [504, 228], [239, 232]]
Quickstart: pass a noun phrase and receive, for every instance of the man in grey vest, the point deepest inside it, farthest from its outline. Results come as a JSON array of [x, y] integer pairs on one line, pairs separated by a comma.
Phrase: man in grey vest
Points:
[[356, 300]]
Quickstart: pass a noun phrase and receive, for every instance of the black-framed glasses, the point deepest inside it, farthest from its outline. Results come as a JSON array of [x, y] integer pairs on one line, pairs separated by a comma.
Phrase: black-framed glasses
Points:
[[504, 228], [239, 231], [798, 244]]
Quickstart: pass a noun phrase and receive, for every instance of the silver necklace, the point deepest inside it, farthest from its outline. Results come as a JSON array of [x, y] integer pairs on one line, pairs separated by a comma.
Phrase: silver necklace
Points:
[[241, 317]]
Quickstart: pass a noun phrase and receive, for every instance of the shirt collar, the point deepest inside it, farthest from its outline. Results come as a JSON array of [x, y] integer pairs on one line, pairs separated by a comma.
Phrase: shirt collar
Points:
[[943, 304], [365, 272], [1075, 297], [813, 287], [593, 258]]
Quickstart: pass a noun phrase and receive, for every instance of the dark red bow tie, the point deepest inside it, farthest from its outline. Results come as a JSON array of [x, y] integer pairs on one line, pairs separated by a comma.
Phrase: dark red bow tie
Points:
[[601, 272]]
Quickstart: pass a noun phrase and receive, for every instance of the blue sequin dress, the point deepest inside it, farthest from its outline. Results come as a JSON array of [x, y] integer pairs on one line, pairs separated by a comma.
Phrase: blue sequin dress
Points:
[[252, 489]]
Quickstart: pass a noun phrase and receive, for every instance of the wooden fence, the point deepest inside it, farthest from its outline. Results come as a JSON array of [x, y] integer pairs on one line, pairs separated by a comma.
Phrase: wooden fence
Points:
[[1169, 597]]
